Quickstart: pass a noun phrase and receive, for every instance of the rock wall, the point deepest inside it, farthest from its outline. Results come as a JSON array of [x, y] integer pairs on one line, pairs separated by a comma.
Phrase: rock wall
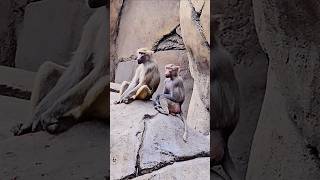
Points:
[[287, 140], [153, 148], [153, 24], [239, 37], [195, 25], [11, 17], [51, 32]]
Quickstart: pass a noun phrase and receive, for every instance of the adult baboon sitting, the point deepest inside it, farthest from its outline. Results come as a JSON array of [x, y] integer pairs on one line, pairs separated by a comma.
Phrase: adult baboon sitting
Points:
[[145, 80], [79, 89]]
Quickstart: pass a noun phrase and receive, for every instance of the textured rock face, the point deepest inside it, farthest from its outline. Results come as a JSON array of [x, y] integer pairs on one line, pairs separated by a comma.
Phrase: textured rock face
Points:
[[115, 15], [199, 168], [153, 146], [239, 37], [153, 24], [289, 33], [58, 25], [11, 17], [79, 153], [194, 30]]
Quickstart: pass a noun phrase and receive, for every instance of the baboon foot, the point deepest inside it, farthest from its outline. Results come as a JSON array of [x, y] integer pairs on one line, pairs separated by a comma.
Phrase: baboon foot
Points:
[[20, 129], [64, 124], [147, 116]]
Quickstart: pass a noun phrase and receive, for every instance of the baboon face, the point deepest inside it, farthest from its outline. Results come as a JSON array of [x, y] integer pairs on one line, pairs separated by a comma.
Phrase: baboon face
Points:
[[171, 70], [143, 55]]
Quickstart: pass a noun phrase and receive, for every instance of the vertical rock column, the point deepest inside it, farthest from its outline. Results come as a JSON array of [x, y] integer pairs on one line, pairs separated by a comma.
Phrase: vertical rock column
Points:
[[195, 26]]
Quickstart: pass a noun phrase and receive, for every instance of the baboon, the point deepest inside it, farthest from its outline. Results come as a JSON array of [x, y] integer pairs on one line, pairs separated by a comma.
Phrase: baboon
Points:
[[170, 101], [75, 91], [225, 106], [145, 80]]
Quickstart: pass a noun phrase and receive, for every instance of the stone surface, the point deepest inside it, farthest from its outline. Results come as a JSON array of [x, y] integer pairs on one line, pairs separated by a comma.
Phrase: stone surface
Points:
[[125, 71], [278, 149], [145, 22], [238, 35], [78, 153], [11, 18], [149, 144], [116, 7], [199, 59], [192, 169], [51, 32], [16, 78], [288, 32]]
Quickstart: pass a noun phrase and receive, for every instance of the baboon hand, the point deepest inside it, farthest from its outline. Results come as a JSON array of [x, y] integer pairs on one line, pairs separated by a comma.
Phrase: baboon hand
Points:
[[116, 102], [21, 128], [43, 121]]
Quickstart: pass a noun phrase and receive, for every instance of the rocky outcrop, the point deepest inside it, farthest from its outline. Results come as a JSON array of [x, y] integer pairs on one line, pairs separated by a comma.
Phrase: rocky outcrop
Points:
[[143, 148], [58, 25], [11, 18], [239, 37], [79, 153], [16, 82], [287, 139], [153, 24], [195, 35]]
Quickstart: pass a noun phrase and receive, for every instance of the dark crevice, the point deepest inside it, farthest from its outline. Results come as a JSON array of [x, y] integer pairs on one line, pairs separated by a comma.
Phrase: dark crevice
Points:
[[313, 151], [140, 171], [170, 41], [195, 17], [14, 92], [176, 159], [138, 158]]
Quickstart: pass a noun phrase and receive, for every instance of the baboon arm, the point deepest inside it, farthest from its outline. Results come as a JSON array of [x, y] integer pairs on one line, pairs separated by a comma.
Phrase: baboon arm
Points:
[[133, 84], [72, 98], [72, 75]]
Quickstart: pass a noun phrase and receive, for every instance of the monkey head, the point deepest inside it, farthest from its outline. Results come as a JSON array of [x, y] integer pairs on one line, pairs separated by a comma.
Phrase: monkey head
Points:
[[144, 55], [171, 70]]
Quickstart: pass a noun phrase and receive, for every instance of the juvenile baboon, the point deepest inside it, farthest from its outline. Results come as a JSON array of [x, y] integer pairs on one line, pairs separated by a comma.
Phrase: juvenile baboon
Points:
[[170, 101], [145, 80], [224, 105], [80, 89]]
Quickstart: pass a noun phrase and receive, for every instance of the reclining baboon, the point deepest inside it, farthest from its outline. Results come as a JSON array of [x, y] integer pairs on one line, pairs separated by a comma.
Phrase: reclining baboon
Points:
[[80, 89], [225, 107], [145, 80]]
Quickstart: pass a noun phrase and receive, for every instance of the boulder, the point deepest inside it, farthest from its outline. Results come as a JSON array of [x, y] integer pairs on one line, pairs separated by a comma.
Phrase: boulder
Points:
[[79, 153], [238, 35], [289, 126], [51, 32], [197, 46], [139, 146], [11, 17], [143, 23], [192, 169]]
